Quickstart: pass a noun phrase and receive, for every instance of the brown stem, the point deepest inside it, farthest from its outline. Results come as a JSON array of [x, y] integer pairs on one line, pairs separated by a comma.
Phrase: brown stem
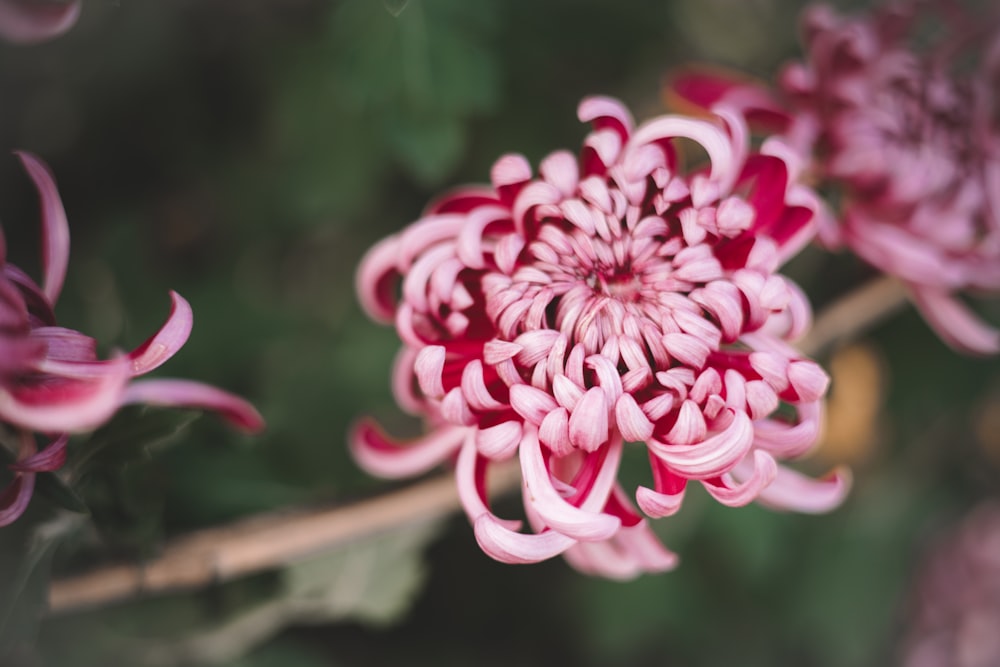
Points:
[[274, 539], [264, 541], [854, 313]]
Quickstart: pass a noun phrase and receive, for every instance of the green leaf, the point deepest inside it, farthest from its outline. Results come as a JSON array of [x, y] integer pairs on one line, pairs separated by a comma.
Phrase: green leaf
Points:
[[129, 436], [52, 487], [371, 581]]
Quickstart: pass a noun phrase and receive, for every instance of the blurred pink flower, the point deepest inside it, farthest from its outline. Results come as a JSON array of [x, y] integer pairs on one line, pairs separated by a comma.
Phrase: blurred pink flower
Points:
[[909, 135], [51, 381], [619, 297], [30, 21], [955, 609]]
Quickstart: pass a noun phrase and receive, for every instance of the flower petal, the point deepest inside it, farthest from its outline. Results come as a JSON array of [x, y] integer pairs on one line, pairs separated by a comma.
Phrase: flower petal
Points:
[[548, 503], [507, 546], [190, 394], [164, 343], [55, 228], [383, 456]]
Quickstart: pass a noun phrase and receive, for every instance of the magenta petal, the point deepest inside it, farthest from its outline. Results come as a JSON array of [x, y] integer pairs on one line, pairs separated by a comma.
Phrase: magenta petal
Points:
[[164, 343], [55, 228], [765, 469], [793, 491], [29, 22], [507, 546], [191, 394], [633, 551], [471, 487], [376, 280], [551, 508], [380, 455], [15, 497], [63, 404], [51, 458], [955, 322], [714, 455]]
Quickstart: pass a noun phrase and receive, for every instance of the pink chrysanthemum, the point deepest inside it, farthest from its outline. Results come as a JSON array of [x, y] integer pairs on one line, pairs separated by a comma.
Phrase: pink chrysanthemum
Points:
[[910, 135], [51, 381], [956, 598], [615, 298]]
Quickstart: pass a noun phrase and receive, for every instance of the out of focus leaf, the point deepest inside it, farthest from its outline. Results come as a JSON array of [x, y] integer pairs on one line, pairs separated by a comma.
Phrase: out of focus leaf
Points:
[[50, 485], [372, 581], [129, 436]]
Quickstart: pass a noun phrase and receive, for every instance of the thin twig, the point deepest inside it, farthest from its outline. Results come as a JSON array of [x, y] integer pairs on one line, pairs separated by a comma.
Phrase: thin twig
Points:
[[271, 540], [854, 313], [263, 542]]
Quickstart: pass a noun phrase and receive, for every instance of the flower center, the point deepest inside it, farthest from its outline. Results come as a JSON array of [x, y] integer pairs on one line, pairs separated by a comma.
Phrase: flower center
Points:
[[619, 283]]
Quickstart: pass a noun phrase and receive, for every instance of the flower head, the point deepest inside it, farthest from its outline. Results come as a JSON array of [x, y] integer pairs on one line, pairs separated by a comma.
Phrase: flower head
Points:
[[908, 132], [618, 297], [955, 607], [51, 381]]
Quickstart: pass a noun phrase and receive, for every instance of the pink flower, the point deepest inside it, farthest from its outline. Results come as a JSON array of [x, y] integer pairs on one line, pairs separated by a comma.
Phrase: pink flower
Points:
[[31, 21], [910, 138], [616, 298], [955, 609], [51, 381]]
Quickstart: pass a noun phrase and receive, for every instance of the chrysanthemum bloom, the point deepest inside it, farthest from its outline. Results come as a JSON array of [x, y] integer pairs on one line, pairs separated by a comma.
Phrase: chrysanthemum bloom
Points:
[[31, 21], [956, 600], [615, 298], [51, 381], [909, 135]]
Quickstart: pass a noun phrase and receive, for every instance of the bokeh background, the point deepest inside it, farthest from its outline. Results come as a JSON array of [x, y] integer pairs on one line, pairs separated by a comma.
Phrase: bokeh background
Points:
[[246, 153]]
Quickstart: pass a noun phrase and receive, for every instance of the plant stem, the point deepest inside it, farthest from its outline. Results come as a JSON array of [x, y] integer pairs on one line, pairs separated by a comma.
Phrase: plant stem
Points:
[[274, 539]]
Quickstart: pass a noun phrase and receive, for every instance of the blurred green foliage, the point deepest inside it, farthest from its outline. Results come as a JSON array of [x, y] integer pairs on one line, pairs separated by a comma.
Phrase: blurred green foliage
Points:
[[246, 154]]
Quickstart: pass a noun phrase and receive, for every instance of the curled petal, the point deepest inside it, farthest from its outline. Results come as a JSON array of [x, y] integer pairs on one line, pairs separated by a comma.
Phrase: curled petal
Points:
[[55, 228], [66, 404], [554, 432], [531, 403], [634, 550], [793, 491], [588, 424], [632, 422], [789, 440], [164, 343], [15, 497], [605, 112], [470, 477], [507, 546], [765, 469], [190, 394], [428, 367], [558, 514], [724, 170], [499, 442], [713, 456], [380, 455], [808, 380], [51, 458], [376, 280], [955, 322]]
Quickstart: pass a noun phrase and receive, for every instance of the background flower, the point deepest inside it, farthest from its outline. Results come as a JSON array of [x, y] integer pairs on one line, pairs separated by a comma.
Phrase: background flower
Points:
[[905, 132], [52, 381]]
